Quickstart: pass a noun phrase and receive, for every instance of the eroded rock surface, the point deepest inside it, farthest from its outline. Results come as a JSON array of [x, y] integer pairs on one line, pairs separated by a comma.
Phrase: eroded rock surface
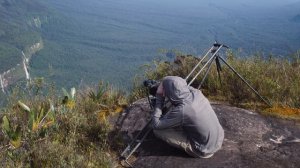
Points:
[[251, 140]]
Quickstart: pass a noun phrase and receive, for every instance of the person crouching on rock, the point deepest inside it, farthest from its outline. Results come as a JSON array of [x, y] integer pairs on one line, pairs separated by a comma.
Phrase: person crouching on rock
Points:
[[190, 123]]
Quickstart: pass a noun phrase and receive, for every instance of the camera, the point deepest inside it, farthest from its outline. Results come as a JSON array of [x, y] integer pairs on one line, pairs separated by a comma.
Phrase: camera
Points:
[[152, 86]]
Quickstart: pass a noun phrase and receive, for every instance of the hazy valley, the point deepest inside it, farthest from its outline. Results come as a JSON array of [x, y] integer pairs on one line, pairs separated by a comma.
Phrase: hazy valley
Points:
[[86, 41]]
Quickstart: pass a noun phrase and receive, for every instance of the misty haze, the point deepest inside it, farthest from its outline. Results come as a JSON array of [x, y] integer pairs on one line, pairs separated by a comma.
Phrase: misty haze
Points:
[[103, 39]]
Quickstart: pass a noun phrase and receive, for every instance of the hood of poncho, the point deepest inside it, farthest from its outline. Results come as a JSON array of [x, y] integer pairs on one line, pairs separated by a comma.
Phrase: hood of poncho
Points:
[[176, 89]]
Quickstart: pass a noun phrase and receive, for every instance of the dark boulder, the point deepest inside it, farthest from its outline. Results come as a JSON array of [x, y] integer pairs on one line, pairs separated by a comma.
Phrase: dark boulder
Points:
[[251, 140]]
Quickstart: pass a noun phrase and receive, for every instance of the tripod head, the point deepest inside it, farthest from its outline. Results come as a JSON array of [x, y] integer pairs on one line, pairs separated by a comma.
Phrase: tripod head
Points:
[[214, 52], [217, 45]]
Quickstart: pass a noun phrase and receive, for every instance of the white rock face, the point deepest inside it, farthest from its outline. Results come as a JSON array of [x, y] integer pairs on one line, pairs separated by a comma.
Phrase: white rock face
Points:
[[35, 22], [2, 84]]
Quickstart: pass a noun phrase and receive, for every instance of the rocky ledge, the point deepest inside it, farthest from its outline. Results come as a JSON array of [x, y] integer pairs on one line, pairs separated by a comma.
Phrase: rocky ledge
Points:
[[251, 140]]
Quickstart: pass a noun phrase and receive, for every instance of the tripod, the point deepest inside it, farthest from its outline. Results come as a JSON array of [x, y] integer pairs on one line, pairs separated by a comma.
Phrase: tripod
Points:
[[139, 138], [215, 57]]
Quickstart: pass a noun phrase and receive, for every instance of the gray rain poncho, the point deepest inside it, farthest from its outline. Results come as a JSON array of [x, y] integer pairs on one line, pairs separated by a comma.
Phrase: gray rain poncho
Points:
[[189, 111]]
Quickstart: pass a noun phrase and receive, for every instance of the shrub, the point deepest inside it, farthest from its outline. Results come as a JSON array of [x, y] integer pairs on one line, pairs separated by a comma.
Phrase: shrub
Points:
[[68, 130], [275, 78]]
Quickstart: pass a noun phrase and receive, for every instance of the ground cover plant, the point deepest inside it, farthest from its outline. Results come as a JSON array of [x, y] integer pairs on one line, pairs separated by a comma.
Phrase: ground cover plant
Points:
[[65, 129]]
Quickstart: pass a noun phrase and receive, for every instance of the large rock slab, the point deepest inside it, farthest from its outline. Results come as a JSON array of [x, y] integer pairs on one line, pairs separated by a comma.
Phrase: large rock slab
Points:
[[251, 140]]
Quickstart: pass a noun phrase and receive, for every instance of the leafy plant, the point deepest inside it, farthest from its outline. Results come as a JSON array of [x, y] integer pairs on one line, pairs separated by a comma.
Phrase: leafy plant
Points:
[[108, 100], [69, 98], [13, 134], [51, 137], [98, 95], [43, 116]]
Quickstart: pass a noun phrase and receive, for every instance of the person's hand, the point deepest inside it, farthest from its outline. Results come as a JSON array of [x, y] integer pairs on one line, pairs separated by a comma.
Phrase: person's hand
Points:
[[160, 89]]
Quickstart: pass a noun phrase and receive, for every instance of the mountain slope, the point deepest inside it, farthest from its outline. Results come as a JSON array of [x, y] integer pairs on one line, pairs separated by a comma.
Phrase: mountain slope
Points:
[[20, 23]]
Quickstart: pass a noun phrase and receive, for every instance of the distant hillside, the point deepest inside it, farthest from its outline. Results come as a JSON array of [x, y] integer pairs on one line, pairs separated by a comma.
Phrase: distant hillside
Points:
[[20, 23]]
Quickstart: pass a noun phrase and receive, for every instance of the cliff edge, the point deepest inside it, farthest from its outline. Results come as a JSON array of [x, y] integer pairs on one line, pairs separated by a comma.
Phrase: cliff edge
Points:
[[251, 140]]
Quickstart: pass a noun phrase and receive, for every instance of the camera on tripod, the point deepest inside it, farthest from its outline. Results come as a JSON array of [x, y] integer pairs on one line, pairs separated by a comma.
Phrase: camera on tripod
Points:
[[151, 85]]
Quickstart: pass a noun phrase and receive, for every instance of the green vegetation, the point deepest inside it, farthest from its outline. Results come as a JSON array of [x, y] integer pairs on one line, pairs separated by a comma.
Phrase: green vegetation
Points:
[[78, 50], [44, 128], [60, 130], [275, 78], [20, 23]]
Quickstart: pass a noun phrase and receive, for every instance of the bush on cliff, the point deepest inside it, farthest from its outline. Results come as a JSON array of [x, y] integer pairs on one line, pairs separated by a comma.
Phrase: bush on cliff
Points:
[[275, 78]]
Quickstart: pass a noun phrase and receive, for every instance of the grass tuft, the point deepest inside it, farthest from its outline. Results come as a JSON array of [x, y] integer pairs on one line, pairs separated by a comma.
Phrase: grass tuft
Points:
[[283, 112], [68, 129]]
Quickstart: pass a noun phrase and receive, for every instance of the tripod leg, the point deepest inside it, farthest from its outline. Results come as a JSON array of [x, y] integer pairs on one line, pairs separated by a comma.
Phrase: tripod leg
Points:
[[212, 57], [139, 143], [206, 73], [244, 80], [219, 69], [199, 63], [150, 103], [129, 150]]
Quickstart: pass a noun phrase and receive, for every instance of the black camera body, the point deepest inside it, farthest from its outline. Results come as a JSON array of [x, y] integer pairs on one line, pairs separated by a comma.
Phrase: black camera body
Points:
[[152, 86]]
